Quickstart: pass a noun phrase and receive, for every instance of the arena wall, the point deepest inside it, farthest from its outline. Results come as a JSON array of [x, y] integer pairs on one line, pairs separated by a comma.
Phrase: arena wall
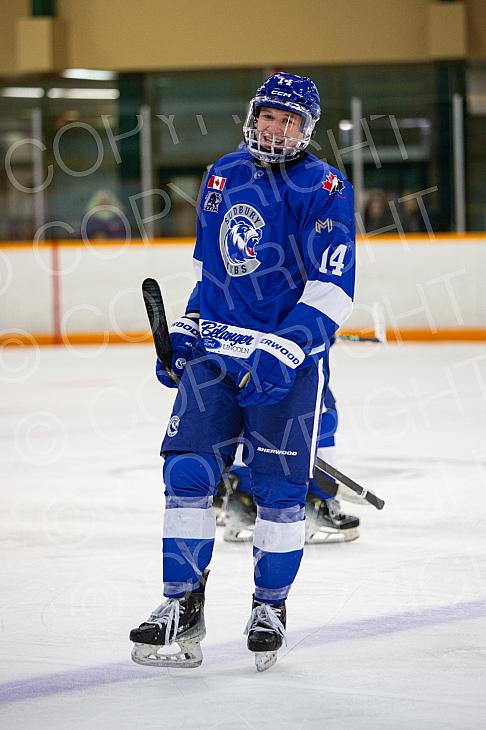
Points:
[[79, 292], [154, 35]]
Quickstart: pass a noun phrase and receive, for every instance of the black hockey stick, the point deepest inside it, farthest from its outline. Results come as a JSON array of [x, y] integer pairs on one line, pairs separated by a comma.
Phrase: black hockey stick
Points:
[[325, 483], [154, 305]]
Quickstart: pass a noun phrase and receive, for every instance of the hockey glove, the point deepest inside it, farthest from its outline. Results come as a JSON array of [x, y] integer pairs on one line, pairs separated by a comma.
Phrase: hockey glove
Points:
[[183, 334], [270, 380]]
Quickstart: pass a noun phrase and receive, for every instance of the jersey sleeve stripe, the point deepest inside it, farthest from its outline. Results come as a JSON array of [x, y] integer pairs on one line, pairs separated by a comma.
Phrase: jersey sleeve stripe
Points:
[[329, 299]]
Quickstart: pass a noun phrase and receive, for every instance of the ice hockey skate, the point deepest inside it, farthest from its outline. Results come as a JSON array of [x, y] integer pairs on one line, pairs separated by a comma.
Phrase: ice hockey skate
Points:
[[177, 621], [220, 502], [225, 488], [240, 518], [325, 523], [266, 632]]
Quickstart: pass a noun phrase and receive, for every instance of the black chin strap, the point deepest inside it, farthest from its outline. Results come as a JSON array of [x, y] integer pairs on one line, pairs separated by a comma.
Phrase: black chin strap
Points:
[[279, 166]]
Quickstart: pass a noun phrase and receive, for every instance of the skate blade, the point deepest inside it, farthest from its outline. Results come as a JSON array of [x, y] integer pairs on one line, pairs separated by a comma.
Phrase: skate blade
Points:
[[221, 517], [240, 534], [264, 660], [189, 655], [321, 538]]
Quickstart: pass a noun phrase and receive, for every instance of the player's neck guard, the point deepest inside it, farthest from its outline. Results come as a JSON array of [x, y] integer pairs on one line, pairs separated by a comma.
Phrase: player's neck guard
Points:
[[279, 166]]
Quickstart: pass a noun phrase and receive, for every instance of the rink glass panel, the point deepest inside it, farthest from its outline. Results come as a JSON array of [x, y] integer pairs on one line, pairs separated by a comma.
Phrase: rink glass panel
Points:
[[475, 146], [206, 110], [200, 118], [16, 213]]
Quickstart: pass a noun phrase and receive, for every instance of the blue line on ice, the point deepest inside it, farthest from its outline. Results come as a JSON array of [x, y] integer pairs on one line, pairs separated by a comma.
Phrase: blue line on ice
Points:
[[91, 677]]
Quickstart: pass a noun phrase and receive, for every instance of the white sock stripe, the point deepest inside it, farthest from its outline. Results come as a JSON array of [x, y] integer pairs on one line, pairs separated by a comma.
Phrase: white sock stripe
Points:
[[190, 523], [173, 501], [174, 589], [279, 537], [272, 594], [275, 514]]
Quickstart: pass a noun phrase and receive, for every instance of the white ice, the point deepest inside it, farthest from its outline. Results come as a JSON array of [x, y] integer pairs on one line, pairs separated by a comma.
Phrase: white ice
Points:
[[388, 632]]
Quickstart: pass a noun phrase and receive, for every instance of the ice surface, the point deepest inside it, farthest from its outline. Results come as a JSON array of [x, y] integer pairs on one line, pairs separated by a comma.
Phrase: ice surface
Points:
[[386, 632]]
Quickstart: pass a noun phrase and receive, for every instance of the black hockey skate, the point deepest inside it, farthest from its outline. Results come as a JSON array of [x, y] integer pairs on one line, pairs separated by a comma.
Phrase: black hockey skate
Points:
[[266, 632], [240, 518], [176, 621], [325, 523]]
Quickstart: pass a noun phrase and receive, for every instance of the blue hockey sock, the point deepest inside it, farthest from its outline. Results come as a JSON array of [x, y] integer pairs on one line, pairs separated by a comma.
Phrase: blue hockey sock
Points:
[[279, 535], [189, 521]]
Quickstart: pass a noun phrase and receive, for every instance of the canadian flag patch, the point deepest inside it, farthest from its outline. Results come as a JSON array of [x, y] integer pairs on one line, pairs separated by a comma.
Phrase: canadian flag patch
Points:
[[217, 183]]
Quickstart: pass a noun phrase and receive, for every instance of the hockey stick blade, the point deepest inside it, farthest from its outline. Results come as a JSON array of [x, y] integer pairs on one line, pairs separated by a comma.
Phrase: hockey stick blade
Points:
[[379, 322], [322, 466], [379, 328], [356, 338], [154, 305]]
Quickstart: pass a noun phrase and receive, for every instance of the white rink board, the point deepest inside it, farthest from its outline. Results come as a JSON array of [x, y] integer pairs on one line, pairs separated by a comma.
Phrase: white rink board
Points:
[[386, 632], [421, 285]]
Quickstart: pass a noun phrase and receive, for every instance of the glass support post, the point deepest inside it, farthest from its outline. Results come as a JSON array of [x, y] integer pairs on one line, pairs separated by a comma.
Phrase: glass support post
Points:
[[458, 154], [357, 155], [38, 170], [146, 169]]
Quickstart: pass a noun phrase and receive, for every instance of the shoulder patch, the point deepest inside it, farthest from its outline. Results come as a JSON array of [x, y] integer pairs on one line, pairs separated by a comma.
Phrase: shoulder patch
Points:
[[212, 201], [333, 184], [216, 183]]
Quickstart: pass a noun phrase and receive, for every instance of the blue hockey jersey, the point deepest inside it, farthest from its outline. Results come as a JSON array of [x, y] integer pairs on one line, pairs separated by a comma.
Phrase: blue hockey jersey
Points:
[[274, 258]]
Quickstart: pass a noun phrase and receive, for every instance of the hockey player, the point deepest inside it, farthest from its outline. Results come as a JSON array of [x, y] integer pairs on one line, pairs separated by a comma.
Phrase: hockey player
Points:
[[275, 259], [325, 522]]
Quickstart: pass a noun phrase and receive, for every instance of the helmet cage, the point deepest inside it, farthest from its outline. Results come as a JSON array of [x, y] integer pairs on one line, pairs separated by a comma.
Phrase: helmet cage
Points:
[[291, 146]]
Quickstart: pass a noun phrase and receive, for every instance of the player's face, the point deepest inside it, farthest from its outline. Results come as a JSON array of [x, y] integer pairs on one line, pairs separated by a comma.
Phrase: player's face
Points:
[[276, 124]]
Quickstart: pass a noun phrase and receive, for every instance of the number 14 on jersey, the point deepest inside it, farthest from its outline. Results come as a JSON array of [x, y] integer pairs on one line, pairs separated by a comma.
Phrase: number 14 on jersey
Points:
[[333, 260]]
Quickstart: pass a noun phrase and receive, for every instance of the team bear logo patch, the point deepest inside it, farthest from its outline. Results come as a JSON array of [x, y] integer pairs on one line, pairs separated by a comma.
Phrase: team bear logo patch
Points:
[[239, 236]]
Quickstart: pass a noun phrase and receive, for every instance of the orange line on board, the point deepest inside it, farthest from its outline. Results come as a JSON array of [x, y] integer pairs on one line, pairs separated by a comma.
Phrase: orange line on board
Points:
[[412, 238], [98, 243], [12, 338], [464, 334]]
